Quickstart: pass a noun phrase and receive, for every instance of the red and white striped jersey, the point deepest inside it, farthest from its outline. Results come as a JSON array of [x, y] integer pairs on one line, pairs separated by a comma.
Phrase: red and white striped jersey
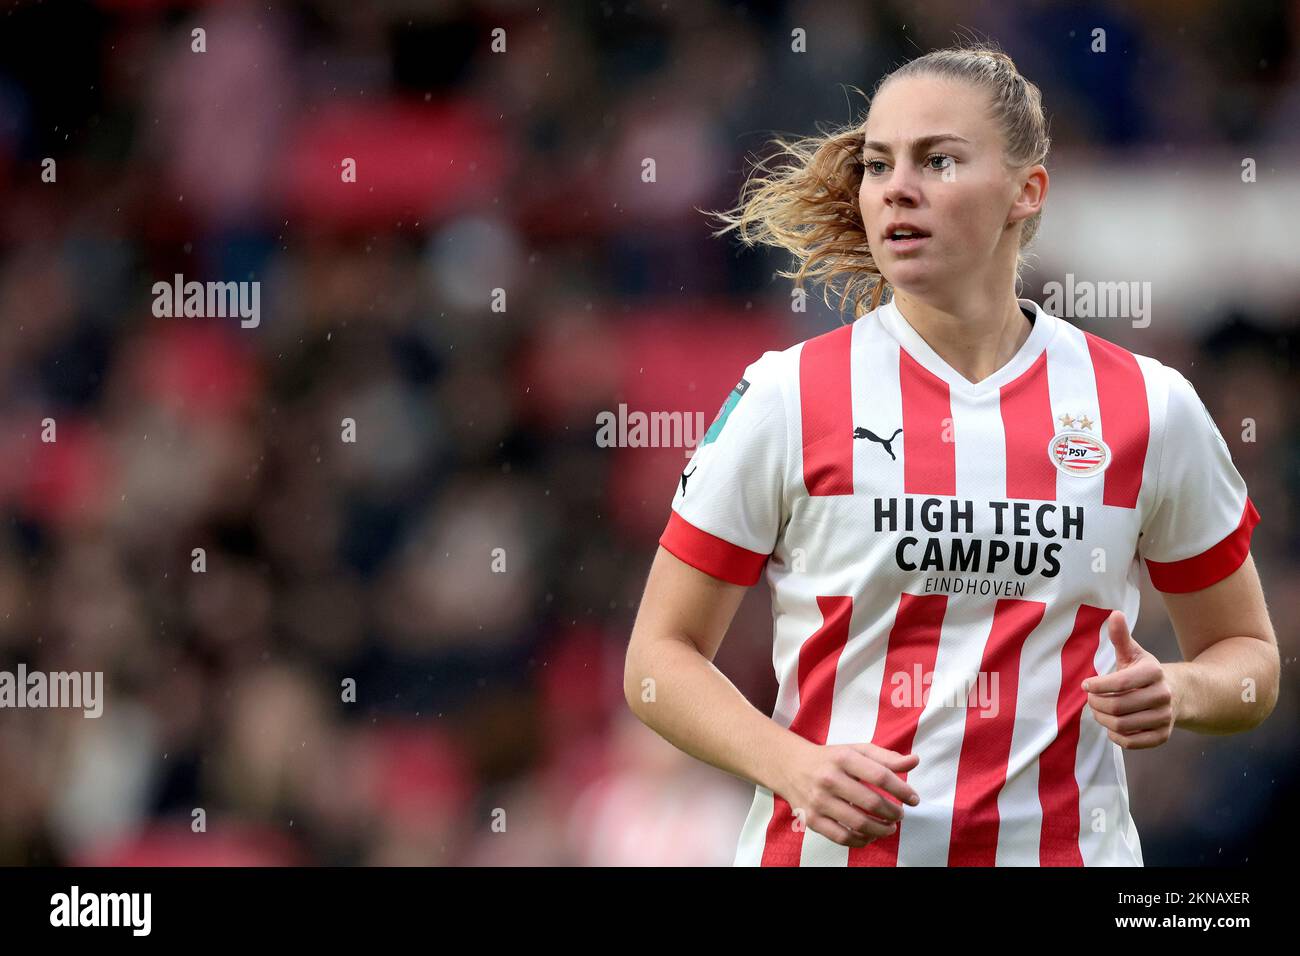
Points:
[[942, 556]]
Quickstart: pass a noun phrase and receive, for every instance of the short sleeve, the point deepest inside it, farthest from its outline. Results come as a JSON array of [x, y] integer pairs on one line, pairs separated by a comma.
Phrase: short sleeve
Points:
[[728, 507], [1198, 529]]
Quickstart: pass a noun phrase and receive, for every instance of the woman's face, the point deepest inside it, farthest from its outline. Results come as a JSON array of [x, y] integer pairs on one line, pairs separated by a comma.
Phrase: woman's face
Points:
[[934, 159]]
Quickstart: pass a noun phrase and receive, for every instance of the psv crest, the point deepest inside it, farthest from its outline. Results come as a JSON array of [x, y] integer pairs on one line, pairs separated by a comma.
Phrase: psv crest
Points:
[[1076, 451]]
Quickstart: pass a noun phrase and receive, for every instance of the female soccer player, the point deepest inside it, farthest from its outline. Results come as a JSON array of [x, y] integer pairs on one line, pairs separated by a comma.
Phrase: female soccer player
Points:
[[952, 497]]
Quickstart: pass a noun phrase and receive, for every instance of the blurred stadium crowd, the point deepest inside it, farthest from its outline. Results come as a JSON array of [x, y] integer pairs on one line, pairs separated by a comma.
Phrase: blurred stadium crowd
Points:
[[489, 725]]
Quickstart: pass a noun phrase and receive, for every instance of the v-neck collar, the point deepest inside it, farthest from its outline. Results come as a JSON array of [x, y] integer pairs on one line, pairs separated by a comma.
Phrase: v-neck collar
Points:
[[1044, 328]]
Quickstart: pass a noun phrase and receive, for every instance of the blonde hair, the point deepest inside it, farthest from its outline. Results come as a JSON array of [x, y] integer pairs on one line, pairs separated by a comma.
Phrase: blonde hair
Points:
[[808, 205]]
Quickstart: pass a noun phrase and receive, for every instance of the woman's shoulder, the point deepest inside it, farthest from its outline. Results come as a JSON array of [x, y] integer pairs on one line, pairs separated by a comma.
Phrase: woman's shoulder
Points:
[[1106, 347]]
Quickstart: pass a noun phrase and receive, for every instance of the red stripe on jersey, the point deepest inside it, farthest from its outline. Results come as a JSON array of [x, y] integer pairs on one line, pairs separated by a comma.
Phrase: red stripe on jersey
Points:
[[1058, 789], [826, 410], [818, 658], [929, 462], [913, 647], [711, 554], [1027, 424], [1211, 565], [986, 743], [1125, 419]]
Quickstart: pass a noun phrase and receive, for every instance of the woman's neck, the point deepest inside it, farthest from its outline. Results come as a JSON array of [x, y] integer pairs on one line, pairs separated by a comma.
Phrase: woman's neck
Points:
[[976, 341]]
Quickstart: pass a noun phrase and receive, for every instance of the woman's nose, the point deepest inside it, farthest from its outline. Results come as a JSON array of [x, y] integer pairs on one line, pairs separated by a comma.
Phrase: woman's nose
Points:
[[901, 189]]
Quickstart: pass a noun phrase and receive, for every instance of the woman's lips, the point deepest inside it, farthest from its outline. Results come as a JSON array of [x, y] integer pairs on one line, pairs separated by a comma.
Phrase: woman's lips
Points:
[[906, 245]]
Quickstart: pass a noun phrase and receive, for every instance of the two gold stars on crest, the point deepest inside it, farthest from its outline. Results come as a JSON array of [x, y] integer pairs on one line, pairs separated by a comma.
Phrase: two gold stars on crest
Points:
[[1070, 421]]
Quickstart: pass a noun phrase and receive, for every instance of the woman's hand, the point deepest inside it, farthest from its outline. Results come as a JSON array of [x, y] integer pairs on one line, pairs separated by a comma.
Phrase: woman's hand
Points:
[[833, 789], [1135, 702]]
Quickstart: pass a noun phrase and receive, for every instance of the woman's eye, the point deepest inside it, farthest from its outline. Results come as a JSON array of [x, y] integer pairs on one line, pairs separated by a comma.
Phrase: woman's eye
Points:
[[937, 161]]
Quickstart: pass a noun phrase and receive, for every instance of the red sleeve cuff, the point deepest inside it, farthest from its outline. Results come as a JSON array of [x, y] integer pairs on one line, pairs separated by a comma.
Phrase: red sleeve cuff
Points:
[[711, 554], [1210, 566]]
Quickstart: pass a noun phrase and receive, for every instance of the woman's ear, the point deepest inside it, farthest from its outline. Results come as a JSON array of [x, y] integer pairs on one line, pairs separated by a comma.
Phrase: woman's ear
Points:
[[1033, 193]]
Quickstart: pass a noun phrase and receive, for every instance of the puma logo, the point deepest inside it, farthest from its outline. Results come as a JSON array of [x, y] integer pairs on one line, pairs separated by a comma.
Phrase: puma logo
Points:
[[887, 442], [687, 474]]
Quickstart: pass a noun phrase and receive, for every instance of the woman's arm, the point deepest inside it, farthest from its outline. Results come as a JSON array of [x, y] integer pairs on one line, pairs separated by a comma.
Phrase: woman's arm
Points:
[[1227, 682], [849, 793], [1228, 679], [672, 686]]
